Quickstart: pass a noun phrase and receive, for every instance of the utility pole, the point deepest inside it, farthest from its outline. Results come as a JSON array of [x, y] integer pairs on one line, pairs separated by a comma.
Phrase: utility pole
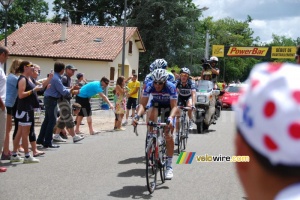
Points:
[[124, 37]]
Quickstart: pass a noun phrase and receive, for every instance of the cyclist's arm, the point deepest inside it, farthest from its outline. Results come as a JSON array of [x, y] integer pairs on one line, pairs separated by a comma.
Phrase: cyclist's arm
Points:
[[143, 104], [193, 97], [173, 103]]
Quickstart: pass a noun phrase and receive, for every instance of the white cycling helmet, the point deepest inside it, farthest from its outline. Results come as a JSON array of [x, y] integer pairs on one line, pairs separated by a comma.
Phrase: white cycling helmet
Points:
[[185, 70], [160, 75], [214, 58], [152, 67], [160, 64]]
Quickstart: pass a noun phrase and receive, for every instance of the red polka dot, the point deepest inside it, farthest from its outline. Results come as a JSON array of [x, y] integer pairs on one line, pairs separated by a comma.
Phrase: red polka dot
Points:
[[273, 67], [269, 109], [254, 83], [296, 96], [270, 144], [294, 130]]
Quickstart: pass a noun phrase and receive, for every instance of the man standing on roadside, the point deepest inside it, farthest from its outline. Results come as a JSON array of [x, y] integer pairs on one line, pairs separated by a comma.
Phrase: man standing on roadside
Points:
[[3, 57], [132, 95], [297, 57]]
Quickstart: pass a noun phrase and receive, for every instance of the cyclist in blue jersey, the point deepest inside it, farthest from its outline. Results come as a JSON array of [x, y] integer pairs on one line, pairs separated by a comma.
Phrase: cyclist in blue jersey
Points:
[[164, 101], [186, 96]]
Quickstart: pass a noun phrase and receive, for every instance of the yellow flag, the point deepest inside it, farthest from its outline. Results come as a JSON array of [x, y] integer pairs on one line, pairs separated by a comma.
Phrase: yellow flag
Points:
[[218, 50]]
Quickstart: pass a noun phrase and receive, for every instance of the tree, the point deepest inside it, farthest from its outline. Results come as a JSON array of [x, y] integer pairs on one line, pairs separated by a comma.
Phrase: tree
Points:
[[168, 29], [23, 11], [91, 12]]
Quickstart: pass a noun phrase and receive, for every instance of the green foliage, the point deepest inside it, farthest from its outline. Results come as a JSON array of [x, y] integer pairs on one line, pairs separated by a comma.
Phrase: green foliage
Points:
[[21, 12]]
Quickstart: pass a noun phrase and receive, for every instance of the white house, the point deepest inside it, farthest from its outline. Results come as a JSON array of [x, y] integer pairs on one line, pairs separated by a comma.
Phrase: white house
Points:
[[95, 50]]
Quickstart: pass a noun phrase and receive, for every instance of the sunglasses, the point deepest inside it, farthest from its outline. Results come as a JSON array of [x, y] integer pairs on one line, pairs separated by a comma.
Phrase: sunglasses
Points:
[[184, 75], [158, 83], [29, 65]]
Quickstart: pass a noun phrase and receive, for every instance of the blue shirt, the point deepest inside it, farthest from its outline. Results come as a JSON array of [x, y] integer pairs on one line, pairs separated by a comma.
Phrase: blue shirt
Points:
[[90, 89], [57, 89], [11, 90], [164, 96]]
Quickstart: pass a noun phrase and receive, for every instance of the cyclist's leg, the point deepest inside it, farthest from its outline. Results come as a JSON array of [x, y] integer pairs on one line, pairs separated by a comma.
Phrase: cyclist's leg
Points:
[[169, 144], [152, 115], [189, 103]]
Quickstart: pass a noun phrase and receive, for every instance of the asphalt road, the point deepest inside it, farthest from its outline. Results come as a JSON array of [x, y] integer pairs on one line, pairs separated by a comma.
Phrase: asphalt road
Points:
[[111, 165]]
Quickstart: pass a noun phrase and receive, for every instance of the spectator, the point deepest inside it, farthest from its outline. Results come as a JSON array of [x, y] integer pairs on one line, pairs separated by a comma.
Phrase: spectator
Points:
[[83, 98], [76, 107], [67, 82], [53, 95], [132, 95], [297, 56], [81, 81], [268, 132], [27, 101], [175, 74], [3, 57], [120, 108], [11, 104]]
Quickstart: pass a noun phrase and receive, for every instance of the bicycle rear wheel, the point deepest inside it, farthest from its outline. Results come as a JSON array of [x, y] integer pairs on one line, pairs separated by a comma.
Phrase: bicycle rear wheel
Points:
[[151, 168]]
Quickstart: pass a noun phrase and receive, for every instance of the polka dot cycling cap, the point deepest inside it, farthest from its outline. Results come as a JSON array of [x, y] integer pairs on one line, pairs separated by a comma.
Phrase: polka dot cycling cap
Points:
[[268, 112]]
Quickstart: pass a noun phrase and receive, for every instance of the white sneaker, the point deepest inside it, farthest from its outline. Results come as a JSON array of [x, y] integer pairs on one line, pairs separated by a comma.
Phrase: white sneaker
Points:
[[58, 138], [124, 123], [77, 138], [169, 173], [190, 125], [16, 159], [30, 159], [176, 140]]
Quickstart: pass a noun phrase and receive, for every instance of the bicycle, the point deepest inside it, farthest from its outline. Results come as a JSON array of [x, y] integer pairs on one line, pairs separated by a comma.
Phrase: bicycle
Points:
[[155, 151], [183, 133]]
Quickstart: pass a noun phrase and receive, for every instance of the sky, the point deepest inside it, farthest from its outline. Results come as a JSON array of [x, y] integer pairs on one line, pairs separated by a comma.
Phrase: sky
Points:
[[280, 17]]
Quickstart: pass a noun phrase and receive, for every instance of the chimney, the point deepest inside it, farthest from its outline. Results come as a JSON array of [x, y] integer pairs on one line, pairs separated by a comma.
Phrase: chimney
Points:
[[64, 24]]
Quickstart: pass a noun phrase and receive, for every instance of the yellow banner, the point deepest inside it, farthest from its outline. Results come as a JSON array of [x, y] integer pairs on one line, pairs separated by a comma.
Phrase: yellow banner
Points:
[[218, 50], [283, 52], [247, 51]]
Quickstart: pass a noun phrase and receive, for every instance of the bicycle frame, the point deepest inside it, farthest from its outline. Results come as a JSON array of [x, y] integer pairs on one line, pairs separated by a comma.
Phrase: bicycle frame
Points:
[[183, 130], [155, 152]]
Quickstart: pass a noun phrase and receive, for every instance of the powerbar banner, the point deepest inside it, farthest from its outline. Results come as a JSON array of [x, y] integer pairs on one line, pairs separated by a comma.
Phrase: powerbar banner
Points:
[[258, 52]]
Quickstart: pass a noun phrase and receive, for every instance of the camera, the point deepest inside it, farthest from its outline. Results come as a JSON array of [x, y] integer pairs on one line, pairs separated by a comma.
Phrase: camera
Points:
[[205, 63]]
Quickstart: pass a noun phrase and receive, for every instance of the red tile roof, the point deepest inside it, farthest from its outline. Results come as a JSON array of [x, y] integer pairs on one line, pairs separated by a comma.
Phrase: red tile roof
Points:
[[43, 40]]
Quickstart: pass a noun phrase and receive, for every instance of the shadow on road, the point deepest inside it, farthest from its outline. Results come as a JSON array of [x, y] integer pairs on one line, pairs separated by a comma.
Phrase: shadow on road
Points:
[[194, 131], [133, 160], [135, 192], [133, 172]]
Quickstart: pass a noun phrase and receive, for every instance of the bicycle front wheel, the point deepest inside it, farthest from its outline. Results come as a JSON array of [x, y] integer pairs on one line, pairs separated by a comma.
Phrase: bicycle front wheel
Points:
[[151, 168]]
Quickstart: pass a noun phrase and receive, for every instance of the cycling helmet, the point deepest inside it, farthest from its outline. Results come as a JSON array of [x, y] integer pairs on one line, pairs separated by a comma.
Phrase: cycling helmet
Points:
[[160, 75], [152, 67], [160, 64], [214, 58], [185, 70]]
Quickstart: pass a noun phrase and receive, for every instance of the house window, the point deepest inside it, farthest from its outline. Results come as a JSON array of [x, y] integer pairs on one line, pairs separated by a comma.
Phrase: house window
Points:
[[130, 47], [133, 71]]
